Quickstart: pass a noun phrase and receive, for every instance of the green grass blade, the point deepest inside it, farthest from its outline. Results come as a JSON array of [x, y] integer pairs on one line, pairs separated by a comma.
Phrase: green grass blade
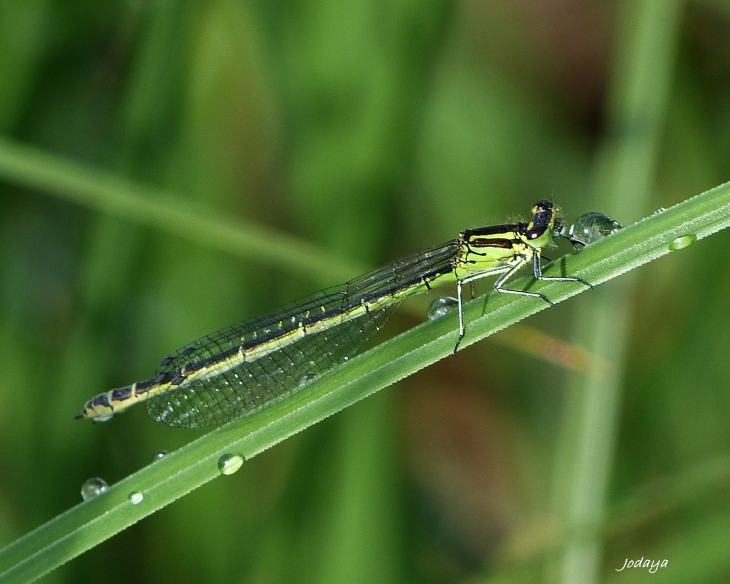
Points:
[[90, 523], [647, 38], [107, 193]]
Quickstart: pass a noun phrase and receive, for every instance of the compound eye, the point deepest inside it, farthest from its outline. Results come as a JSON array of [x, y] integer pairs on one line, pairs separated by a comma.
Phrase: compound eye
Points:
[[536, 232]]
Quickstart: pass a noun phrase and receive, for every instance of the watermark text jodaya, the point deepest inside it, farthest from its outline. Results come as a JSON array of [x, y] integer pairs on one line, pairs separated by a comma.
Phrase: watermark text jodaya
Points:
[[653, 565]]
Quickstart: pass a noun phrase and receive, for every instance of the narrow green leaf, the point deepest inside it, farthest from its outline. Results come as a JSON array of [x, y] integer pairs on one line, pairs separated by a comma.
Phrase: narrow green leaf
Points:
[[106, 192]]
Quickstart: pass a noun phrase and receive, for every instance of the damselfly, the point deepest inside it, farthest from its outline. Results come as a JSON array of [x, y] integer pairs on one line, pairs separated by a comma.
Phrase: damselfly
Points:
[[249, 366]]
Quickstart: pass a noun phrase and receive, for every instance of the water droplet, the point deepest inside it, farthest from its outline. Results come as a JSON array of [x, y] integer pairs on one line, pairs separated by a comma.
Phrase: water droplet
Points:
[[442, 306], [159, 456], [682, 241], [590, 228], [93, 487], [135, 497], [230, 463]]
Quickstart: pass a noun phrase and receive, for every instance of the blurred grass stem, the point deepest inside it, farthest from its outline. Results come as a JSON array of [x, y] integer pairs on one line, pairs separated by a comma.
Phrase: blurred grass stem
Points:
[[646, 44], [108, 193]]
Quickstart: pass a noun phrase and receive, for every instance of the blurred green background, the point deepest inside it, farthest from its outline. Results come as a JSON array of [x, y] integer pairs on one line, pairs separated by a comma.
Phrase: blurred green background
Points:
[[369, 130]]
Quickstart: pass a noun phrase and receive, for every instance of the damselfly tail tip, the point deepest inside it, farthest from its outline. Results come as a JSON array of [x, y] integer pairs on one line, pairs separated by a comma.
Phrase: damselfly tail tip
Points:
[[80, 416]]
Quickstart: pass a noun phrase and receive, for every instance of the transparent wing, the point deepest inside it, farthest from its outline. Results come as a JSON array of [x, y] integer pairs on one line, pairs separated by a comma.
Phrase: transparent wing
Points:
[[287, 367], [255, 385]]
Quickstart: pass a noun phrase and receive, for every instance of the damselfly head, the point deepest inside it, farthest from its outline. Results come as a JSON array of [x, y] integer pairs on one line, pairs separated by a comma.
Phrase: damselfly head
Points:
[[539, 231]]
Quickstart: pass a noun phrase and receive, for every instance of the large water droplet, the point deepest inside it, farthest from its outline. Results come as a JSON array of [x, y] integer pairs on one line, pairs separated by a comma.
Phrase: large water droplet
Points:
[[682, 241], [590, 228], [442, 306], [93, 487], [230, 463], [135, 497]]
